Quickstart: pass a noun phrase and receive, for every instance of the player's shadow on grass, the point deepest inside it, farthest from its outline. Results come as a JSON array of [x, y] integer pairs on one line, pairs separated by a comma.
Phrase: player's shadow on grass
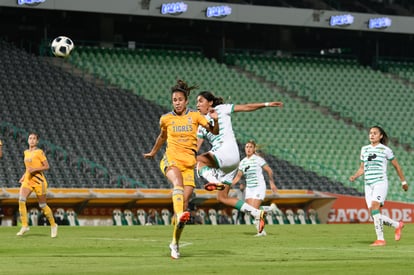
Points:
[[364, 242], [250, 233], [30, 235], [209, 252]]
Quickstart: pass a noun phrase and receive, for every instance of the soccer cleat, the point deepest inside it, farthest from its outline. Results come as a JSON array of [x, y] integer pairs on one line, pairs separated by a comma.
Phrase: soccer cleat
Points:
[[53, 231], [175, 253], [398, 230], [262, 222], [261, 234], [23, 230], [378, 243], [211, 186], [183, 219]]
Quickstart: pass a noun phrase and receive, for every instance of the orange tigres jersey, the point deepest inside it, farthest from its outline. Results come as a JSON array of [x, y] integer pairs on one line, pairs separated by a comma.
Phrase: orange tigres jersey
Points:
[[34, 159], [182, 130]]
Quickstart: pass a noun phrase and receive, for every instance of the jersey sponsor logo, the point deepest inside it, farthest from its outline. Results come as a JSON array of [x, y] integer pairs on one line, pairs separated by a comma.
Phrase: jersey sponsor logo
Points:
[[182, 128], [371, 157], [360, 215], [349, 209]]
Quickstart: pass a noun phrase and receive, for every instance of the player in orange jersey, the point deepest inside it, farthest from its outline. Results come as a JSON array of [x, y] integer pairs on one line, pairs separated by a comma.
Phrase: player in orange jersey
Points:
[[179, 131], [34, 180]]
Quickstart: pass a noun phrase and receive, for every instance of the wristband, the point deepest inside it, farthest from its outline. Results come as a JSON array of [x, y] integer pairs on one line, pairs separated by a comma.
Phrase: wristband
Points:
[[404, 183], [267, 104]]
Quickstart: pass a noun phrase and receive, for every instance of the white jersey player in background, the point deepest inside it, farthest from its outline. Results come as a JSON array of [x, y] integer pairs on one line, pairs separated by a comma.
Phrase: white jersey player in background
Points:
[[252, 167], [219, 165], [374, 159]]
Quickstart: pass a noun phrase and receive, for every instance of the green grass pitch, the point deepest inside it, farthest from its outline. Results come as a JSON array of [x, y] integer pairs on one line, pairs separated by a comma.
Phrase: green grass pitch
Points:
[[207, 249]]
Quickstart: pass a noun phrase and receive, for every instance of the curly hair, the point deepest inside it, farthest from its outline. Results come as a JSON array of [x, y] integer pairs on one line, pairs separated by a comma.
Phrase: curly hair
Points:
[[182, 86]]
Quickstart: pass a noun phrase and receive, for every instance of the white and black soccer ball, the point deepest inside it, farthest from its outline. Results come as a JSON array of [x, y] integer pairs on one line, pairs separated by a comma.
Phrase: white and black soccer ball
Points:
[[62, 46]]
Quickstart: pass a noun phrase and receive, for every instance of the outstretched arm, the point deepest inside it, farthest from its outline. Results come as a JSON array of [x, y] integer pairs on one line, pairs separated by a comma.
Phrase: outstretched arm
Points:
[[162, 137], [22, 178], [199, 143], [249, 107], [237, 178], [400, 173], [44, 167], [213, 128], [358, 173], [269, 172]]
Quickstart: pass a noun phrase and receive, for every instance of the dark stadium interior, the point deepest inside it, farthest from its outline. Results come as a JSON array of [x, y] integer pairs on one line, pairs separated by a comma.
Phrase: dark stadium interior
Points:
[[94, 134], [29, 28]]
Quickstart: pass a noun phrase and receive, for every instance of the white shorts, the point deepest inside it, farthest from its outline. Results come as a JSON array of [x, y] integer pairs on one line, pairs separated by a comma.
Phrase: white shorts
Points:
[[257, 193], [227, 157], [376, 192]]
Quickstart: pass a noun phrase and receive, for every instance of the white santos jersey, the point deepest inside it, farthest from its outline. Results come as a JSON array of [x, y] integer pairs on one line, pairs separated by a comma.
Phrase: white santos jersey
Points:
[[375, 159], [226, 133], [224, 145], [252, 169]]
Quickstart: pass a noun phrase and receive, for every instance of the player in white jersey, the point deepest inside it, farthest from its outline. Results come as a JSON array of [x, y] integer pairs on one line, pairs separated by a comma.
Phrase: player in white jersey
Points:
[[374, 159], [219, 165], [252, 167]]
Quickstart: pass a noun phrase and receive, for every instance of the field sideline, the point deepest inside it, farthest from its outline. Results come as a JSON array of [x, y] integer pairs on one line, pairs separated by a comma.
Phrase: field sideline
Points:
[[206, 249]]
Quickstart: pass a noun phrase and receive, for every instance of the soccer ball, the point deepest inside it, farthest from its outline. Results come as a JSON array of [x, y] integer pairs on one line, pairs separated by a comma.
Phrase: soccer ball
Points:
[[62, 46]]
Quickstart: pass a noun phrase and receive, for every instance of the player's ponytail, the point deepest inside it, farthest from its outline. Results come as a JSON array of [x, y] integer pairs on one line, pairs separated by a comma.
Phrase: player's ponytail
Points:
[[182, 86], [210, 97]]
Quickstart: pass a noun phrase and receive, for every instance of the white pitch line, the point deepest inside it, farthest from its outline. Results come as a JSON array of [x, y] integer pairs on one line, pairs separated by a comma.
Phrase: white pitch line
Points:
[[182, 244], [349, 248], [119, 239]]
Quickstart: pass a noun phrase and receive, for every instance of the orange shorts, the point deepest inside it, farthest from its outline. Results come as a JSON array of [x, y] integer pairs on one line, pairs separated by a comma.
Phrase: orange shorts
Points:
[[187, 172], [38, 188]]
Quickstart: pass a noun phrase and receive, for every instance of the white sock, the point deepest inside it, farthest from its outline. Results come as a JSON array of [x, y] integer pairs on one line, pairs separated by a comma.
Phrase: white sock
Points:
[[388, 221], [253, 211], [256, 223], [266, 208], [378, 226], [208, 174], [247, 219]]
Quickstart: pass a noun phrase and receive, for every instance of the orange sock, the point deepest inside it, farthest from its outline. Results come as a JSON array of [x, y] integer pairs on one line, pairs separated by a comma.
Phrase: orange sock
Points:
[[178, 200], [49, 215], [23, 213], [178, 205]]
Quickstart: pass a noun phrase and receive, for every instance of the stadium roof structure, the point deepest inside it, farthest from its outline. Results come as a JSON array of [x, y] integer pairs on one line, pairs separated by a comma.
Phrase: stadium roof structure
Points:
[[240, 13]]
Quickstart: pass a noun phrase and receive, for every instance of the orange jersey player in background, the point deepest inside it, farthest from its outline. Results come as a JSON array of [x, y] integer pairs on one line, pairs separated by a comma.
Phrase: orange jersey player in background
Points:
[[34, 179]]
